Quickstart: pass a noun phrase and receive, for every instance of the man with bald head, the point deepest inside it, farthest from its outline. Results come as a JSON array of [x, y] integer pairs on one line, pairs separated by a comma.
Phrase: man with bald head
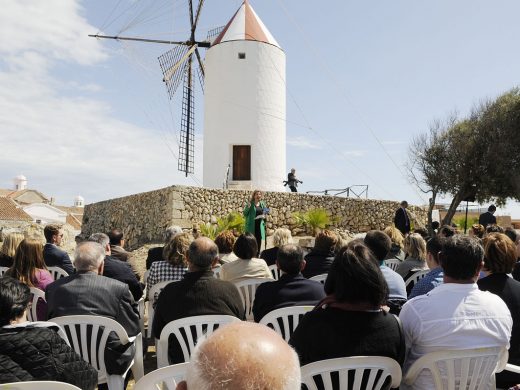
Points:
[[243, 355], [198, 293]]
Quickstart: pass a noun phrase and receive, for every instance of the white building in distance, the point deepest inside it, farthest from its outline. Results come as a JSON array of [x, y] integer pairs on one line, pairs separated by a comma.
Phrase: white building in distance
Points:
[[245, 107]]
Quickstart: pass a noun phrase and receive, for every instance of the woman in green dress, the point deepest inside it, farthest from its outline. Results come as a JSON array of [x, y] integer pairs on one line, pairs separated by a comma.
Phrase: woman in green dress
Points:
[[254, 213]]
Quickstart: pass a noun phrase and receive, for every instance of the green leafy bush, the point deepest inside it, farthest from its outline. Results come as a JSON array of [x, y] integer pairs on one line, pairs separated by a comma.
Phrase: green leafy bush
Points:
[[314, 219], [233, 221], [459, 221]]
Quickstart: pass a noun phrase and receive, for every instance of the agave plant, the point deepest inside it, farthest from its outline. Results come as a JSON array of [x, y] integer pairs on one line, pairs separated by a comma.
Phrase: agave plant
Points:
[[233, 221], [314, 219]]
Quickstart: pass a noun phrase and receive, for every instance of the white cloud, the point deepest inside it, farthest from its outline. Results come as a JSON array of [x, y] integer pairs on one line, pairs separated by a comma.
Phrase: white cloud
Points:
[[302, 142], [67, 143]]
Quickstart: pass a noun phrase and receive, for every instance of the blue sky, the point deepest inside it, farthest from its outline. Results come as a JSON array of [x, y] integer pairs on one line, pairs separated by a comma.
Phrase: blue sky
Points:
[[91, 117]]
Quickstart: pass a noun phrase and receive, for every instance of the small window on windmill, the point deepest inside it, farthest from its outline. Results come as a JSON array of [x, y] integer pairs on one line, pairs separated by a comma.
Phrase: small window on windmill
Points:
[[241, 162], [241, 56]]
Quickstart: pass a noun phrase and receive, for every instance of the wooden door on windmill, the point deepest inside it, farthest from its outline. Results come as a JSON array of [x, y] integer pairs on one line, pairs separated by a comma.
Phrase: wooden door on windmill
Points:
[[241, 162]]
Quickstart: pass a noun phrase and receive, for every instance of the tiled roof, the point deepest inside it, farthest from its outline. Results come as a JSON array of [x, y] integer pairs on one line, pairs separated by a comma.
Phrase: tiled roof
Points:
[[73, 221], [9, 211]]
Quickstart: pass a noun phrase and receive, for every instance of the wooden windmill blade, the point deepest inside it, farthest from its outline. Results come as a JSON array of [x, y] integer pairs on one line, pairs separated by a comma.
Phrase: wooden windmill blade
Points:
[[185, 162]]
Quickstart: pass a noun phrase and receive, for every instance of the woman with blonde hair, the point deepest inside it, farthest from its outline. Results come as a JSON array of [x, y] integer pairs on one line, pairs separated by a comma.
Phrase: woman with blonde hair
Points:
[[396, 251], [415, 249], [174, 266], [499, 259], [254, 212], [281, 237], [9, 246], [29, 268]]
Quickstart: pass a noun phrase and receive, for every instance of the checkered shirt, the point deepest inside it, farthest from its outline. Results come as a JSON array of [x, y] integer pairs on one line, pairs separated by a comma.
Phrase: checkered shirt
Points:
[[162, 271]]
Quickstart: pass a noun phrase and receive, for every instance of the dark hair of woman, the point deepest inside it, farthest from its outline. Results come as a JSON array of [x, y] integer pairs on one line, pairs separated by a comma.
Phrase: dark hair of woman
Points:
[[27, 259], [14, 299], [355, 277], [245, 246]]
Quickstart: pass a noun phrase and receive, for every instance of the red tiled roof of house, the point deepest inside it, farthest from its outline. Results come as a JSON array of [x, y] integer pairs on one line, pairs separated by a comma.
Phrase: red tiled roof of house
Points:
[[10, 212]]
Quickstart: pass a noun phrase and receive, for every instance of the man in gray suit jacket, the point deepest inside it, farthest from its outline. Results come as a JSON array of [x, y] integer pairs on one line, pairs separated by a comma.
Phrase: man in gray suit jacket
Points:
[[88, 293]]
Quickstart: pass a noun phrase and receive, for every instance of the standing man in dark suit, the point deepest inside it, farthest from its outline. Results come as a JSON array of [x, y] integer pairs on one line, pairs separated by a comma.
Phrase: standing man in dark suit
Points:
[[401, 219], [52, 255], [89, 293], [291, 289], [488, 218], [117, 269]]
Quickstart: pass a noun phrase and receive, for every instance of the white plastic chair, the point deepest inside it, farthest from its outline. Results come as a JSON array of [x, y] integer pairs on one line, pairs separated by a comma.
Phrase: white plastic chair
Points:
[[289, 317], [216, 272], [140, 307], [3, 271], [319, 278], [165, 378], [415, 277], [36, 294], [247, 289], [468, 369], [183, 328], [353, 368], [86, 340], [393, 263], [275, 271], [157, 288], [57, 272], [39, 385]]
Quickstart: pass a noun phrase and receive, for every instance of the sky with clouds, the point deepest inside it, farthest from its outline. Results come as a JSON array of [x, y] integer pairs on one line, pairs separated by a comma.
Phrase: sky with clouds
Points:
[[91, 117]]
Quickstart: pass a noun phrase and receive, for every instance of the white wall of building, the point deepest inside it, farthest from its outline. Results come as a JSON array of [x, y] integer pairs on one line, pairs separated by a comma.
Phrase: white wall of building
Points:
[[45, 213], [245, 104]]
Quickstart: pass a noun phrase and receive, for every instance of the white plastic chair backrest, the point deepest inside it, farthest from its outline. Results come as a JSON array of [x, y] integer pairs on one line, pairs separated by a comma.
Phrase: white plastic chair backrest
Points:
[[157, 288], [416, 277], [165, 378], [3, 271], [275, 271], [36, 293], [468, 369], [216, 272], [285, 320], [39, 385], [145, 276], [393, 263], [183, 330], [319, 278], [83, 332], [353, 369], [140, 307], [57, 272], [247, 290]]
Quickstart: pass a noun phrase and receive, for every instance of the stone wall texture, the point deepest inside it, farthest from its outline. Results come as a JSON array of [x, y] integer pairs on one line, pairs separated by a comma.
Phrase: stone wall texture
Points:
[[143, 217]]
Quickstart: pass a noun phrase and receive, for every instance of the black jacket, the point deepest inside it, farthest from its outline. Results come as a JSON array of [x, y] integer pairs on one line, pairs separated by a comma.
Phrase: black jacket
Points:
[[289, 290], [29, 353], [487, 219], [402, 221], [119, 270], [55, 257], [317, 263]]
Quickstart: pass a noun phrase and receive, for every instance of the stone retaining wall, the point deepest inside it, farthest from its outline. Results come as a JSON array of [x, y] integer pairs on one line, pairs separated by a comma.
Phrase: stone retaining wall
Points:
[[143, 217]]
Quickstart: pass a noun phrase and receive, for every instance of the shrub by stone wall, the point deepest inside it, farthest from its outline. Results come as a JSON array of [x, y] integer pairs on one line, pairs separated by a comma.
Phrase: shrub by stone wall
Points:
[[143, 217]]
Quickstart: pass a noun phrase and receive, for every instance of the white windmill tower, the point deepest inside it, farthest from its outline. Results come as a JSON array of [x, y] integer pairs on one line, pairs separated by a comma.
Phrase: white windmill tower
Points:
[[245, 106]]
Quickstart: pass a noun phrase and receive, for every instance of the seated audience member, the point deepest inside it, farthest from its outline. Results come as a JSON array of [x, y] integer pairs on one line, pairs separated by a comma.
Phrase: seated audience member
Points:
[[422, 232], [225, 241], [292, 289], [89, 293], [117, 244], [415, 249], [515, 237], [494, 229], [156, 253], [435, 227], [281, 237], [379, 243], [247, 266], [11, 242], [52, 255], [447, 231], [320, 258], [455, 315], [396, 251], [477, 230], [242, 355], [117, 269], [199, 293], [175, 266], [499, 258], [350, 321], [435, 277], [29, 268], [33, 351]]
